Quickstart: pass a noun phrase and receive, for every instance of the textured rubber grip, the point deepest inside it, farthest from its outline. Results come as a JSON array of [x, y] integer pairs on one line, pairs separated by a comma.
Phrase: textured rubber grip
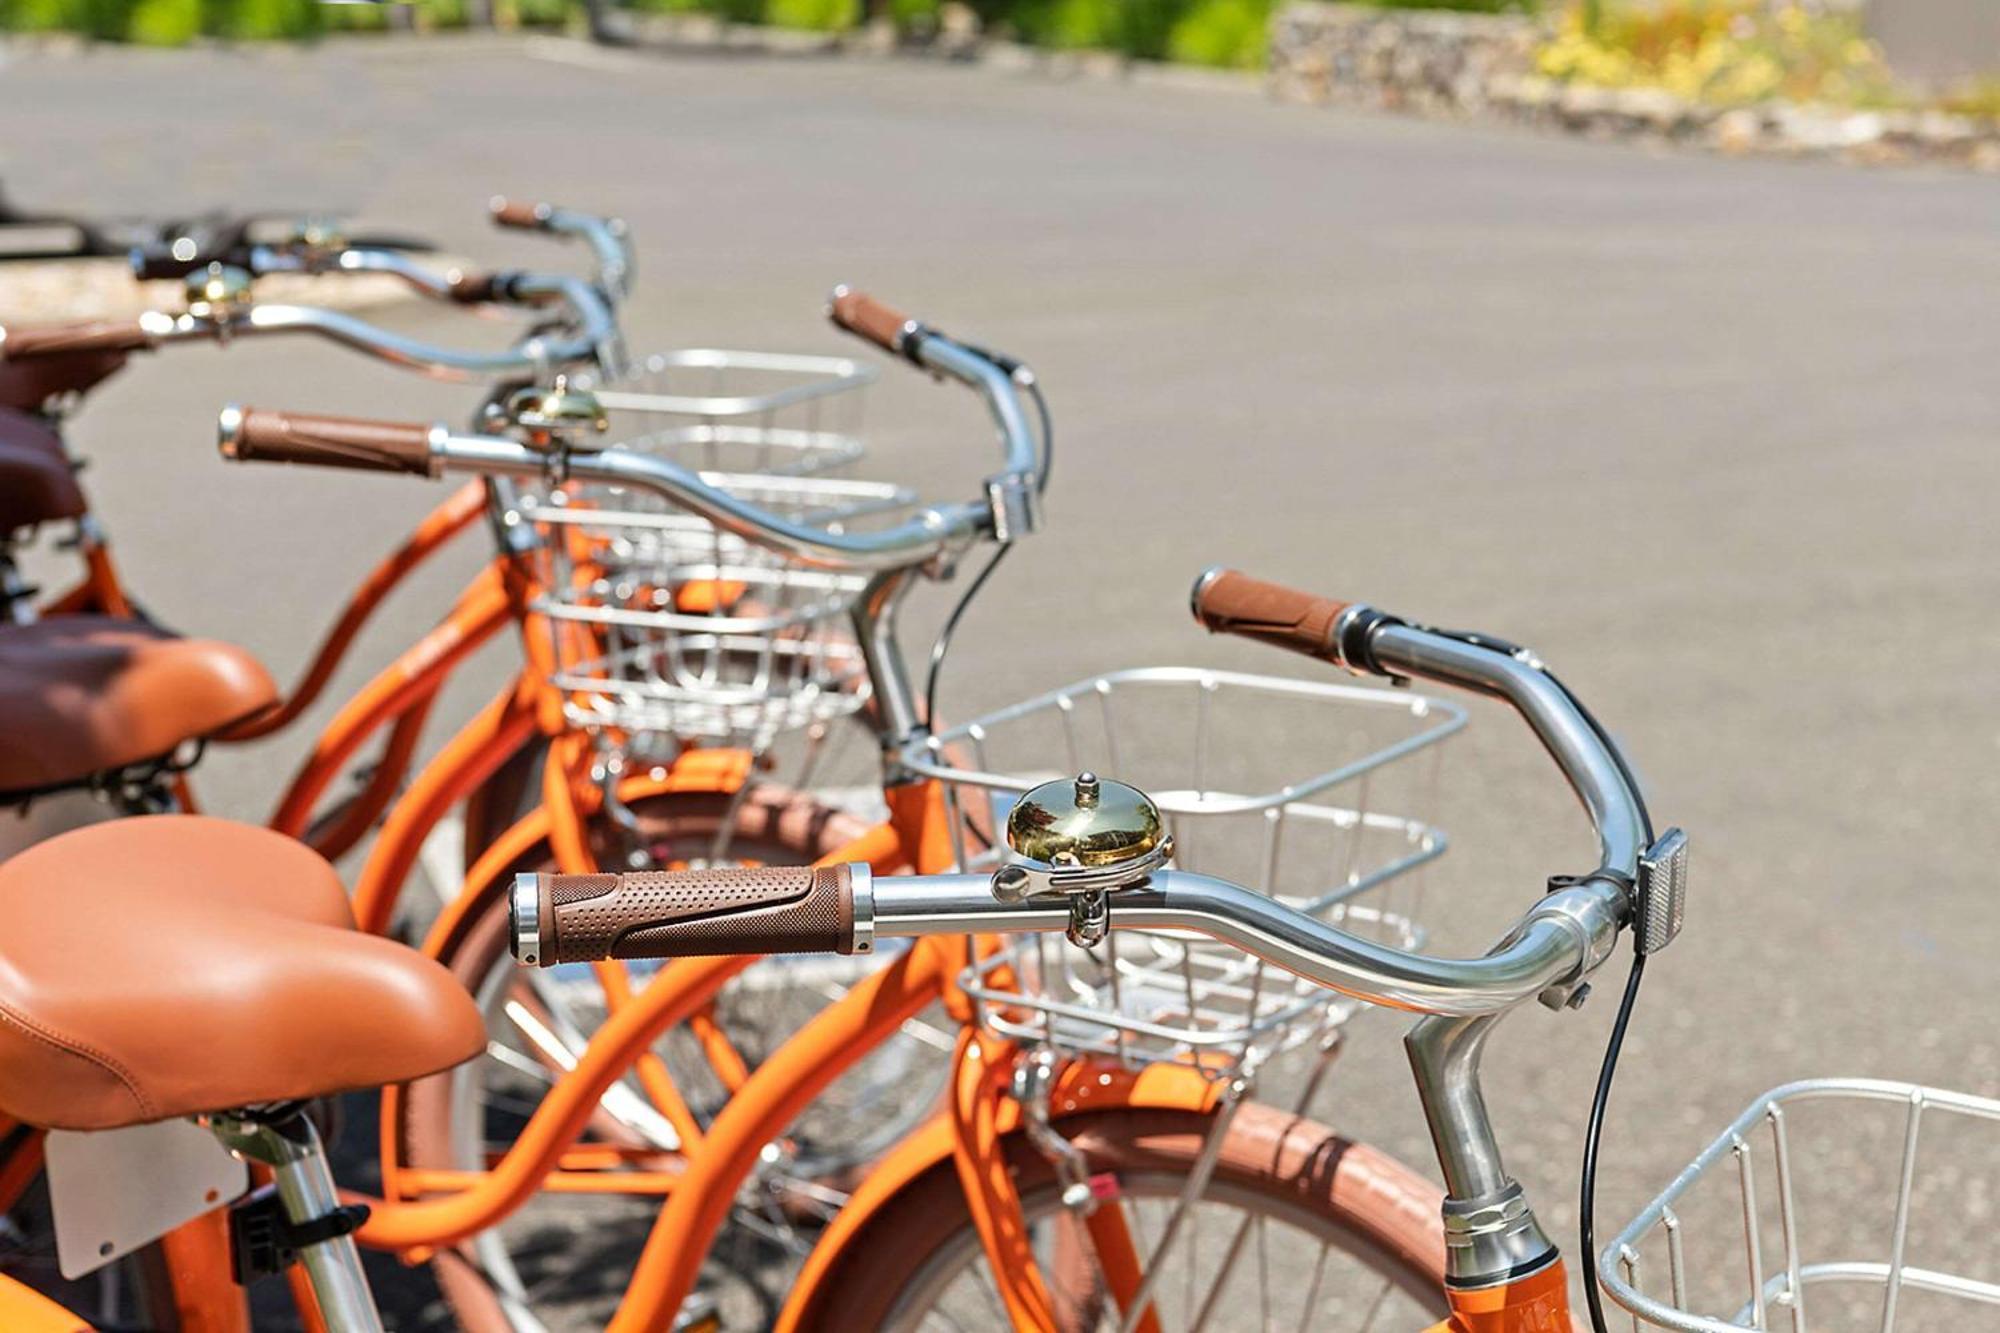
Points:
[[259, 435], [1226, 602], [475, 288], [862, 314], [519, 214], [695, 913], [97, 335]]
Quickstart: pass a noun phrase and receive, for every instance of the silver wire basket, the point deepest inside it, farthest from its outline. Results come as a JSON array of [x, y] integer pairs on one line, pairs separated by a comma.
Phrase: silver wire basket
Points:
[[1854, 1199], [1208, 747], [669, 630], [708, 409]]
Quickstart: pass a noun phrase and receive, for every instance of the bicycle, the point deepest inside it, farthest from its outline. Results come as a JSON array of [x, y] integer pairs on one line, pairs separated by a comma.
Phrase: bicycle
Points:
[[1483, 1262], [131, 760], [1167, 1130], [434, 1130]]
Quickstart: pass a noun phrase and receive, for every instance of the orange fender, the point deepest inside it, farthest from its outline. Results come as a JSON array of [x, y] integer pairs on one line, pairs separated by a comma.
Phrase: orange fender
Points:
[[23, 1310], [1082, 1086]]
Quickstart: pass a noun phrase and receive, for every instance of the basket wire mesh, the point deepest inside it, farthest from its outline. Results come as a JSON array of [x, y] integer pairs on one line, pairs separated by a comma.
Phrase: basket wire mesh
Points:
[[710, 409], [1204, 745], [1734, 1241], [669, 630]]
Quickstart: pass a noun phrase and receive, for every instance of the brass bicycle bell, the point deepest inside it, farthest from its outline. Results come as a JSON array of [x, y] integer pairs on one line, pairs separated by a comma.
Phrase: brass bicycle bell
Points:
[[558, 414], [219, 293], [1082, 838], [317, 237]]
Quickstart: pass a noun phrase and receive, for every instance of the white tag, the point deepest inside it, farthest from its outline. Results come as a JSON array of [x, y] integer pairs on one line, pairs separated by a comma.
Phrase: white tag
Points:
[[118, 1190]]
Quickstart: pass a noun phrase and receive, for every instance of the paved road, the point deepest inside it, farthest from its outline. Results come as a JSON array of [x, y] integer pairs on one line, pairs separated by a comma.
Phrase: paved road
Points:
[[1716, 437]]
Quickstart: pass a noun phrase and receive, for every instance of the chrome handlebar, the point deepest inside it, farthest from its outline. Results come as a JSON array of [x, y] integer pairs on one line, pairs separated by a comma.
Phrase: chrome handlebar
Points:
[[1008, 510], [592, 335], [1559, 941], [606, 237], [1564, 935]]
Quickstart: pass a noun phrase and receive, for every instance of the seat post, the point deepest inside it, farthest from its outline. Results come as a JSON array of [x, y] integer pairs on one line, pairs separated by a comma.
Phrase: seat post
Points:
[[290, 1146]]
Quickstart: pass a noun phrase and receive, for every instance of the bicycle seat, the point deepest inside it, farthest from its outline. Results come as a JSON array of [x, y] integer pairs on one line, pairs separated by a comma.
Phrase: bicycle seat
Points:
[[36, 481], [29, 382], [87, 694], [171, 965]]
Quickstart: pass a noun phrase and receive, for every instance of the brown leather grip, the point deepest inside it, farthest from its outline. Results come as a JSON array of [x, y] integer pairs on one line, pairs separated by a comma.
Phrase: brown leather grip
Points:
[[96, 335], [473, 288], [1226, 602], [695, 913], [519, 214], [259, 435], [862, 314]]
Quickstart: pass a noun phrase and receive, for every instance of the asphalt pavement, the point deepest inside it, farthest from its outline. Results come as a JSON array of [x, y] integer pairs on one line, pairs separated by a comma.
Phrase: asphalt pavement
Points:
[[1716, 437]]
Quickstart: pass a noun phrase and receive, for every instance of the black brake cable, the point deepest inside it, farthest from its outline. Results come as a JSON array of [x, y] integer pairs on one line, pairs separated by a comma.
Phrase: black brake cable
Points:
[[1586, 1224], [942, 644], [1586, 1213]]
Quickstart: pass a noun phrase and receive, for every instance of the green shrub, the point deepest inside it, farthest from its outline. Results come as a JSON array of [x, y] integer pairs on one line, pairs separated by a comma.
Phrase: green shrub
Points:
[[165, 22], [37, 15], [262, 20], [541, 13], [1231, 34], [356, 18], [815, 15]]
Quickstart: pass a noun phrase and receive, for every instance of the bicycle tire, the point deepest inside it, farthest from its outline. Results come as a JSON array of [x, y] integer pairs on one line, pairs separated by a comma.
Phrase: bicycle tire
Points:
[[1370, 1207]]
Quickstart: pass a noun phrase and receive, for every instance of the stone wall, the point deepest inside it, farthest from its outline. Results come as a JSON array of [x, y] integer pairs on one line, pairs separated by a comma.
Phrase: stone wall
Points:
[[1432, 61]]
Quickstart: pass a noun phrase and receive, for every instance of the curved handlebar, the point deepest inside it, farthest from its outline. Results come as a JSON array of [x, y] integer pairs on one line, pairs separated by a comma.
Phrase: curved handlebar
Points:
[[1564, 934], [1007, 510], [594, 336], [1362, 639], [606, 236], [1012, 493]]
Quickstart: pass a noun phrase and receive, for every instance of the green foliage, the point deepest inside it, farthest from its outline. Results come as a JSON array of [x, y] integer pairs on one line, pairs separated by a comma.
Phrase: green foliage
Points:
[[165, 22], [262, 20], [1465, 6], [1230, 34], [1224, 33], [814, 15], [37, 15]]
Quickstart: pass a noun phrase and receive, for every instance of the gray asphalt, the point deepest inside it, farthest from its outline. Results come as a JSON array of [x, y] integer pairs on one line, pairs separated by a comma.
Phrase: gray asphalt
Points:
[[1716, 437]]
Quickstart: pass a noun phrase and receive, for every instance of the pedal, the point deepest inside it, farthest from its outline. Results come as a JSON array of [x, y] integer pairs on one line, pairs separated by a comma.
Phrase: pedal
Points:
[[1661, 893]]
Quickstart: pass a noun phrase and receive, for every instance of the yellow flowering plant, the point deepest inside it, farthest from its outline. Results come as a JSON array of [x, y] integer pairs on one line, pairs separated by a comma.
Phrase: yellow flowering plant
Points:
[[1728, 52]]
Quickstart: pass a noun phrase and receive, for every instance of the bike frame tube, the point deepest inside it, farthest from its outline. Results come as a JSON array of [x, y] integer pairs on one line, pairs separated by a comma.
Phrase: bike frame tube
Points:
[[982, 1068], [481, 610], [467, 761], [438, 528]]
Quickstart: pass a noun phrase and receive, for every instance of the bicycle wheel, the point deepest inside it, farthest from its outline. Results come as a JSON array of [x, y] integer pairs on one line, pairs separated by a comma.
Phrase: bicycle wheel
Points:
[[582, 1243], [1297, 1229]]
